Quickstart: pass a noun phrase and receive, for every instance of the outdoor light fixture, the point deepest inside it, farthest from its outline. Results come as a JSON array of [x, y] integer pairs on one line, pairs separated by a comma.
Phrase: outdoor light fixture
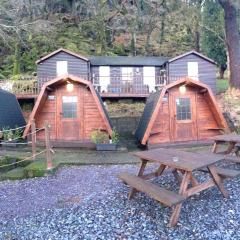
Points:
[[182, 89], [69, 87]]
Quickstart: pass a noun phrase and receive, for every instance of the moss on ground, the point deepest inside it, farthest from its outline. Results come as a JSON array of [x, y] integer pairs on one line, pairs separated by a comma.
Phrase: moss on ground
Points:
[[14, 174], [62, 157], [222, 85], [38, 167]]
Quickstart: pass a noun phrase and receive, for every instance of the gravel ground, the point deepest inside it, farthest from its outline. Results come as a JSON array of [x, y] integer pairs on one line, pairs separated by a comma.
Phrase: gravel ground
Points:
[[89, 202]]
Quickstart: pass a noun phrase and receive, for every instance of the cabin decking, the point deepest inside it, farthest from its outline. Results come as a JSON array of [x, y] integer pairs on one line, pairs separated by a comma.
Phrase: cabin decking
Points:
[[124, 88]]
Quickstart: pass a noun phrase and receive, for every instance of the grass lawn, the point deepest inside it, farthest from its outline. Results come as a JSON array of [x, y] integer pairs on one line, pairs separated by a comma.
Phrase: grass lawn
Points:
[[222, 85], [63, 157]]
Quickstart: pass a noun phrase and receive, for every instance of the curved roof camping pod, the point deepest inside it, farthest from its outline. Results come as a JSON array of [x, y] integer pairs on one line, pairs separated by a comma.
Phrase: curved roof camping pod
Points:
[[73, 109], [185, 110]]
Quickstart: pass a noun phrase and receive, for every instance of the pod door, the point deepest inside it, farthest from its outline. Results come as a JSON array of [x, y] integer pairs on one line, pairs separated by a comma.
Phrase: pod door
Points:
[[184, 122], [68, 117]]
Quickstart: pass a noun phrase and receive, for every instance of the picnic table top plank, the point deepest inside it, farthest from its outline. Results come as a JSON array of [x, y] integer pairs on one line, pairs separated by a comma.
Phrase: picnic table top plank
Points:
[[187, 161], [227, 138]]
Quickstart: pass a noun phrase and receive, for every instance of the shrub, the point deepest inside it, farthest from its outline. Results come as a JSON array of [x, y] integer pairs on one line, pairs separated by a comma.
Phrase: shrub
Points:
[[115, 136], [9, 135], [98, 136]]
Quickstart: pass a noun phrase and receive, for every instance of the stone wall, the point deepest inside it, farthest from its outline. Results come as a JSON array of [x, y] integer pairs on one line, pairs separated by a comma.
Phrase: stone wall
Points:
[[125, 125]]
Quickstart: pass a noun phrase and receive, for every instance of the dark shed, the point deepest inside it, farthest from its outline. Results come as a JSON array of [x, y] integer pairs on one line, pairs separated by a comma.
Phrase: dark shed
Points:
[[10, 112]]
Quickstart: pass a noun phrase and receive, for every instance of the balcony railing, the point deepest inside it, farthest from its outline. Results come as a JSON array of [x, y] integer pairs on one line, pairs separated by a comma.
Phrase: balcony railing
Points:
[[21, 87], [127, 85], [104, 85]]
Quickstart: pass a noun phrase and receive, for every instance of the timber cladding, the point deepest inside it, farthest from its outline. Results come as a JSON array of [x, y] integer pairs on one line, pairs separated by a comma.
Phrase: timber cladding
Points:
[[72, 114], [206, 68], [172, 115]]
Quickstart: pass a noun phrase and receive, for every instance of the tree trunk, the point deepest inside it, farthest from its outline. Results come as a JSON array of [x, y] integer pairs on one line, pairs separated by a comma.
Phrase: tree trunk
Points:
[[222, 69], [232, 40]]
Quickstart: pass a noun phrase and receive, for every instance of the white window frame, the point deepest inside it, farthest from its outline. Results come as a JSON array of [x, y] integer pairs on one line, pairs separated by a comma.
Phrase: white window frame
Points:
[[127, 74], [193, 70], [104, 78], [61, 68], [149, 77]]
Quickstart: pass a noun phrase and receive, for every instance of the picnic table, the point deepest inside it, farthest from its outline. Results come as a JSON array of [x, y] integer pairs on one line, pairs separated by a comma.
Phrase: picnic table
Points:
[[183, 165], [233, 141]]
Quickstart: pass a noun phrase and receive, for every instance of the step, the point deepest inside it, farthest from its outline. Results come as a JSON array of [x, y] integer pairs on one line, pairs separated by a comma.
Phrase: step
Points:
[[228, 173], [160, 194]]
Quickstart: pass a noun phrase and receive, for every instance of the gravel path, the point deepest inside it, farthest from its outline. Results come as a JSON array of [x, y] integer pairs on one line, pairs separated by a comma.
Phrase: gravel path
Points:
[[89, 202]]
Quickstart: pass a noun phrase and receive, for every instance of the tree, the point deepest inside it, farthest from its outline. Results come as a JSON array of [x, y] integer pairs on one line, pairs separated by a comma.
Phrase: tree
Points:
[[213, 37], [231, 8], [16, 64]]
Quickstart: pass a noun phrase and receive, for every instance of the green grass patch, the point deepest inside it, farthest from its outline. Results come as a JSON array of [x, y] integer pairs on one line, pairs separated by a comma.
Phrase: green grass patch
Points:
[[14, 174], [222, 85]]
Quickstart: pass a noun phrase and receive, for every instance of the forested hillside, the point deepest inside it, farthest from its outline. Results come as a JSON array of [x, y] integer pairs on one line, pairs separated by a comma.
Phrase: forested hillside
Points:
[[32, 28]]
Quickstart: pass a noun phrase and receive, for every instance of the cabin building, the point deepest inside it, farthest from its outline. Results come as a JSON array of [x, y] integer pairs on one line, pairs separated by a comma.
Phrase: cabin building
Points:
[[193, 65], [185, 110], [10, 112], [127, 76], [62, 62], [117, 76], [123, 76], [73, 109]]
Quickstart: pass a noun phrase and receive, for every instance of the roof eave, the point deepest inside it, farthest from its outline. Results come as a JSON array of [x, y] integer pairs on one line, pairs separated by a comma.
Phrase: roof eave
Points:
[[192, 52], [61, 50]]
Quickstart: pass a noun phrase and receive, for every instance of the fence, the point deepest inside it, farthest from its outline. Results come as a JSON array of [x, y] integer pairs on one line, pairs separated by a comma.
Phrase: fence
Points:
[[48, 151]]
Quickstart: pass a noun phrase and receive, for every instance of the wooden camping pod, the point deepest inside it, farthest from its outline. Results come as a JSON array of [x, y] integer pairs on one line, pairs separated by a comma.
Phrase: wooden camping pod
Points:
[[72, 108], [185, 110]]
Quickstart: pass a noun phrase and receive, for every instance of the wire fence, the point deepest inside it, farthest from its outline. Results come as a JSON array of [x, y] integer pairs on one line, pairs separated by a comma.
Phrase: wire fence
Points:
[[48, 150], [13, 129], [20, 137], [23, 160]]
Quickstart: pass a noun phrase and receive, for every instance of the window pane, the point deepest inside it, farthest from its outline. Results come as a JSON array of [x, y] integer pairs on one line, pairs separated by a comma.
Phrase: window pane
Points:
[[62, 67], [69, 106], [183, 109], [127, 74]]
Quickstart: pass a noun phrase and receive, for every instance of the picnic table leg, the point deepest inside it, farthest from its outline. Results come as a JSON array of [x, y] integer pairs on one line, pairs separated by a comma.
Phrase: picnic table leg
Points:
[[218, 180], [176, 175], [230, 147], [140, 173], [193, 180], [160, 170], [177, 208], [215, 145]]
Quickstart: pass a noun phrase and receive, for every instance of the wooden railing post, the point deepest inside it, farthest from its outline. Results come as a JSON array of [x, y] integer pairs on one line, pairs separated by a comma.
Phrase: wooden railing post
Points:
[[48, 147], [33, 129]]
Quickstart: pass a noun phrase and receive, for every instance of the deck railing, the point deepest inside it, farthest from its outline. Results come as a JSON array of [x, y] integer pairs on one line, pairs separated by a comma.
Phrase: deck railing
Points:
[[104, 85], [21, 87]]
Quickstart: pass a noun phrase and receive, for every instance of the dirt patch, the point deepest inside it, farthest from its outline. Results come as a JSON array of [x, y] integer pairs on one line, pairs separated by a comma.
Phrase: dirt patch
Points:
[[125, 108]]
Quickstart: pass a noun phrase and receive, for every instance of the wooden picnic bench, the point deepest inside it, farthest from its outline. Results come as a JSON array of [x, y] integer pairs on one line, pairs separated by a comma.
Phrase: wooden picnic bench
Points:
[[233, 142], [183, 165]]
